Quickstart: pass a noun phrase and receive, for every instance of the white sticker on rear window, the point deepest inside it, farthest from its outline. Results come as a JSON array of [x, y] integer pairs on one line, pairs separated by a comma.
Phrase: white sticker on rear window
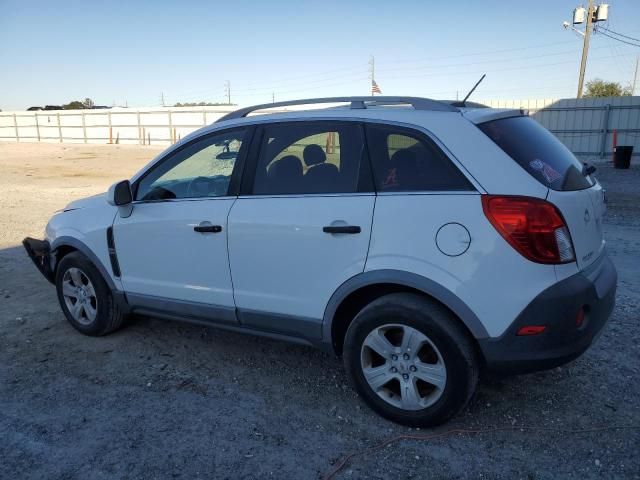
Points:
[[549, 173]]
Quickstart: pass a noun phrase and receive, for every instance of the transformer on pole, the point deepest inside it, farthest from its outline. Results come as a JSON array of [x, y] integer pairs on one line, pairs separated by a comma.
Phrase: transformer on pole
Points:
[[589, 16]]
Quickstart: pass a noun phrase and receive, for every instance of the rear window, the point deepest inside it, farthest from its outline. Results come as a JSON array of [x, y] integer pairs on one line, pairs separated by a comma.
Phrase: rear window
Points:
[[538, 151]]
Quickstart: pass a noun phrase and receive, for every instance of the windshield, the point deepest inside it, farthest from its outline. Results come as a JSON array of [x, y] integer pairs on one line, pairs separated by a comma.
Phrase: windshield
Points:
[[538, 151]]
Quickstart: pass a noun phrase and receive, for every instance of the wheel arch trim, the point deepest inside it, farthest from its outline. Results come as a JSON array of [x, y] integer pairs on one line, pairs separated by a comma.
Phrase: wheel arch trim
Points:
[[406, 279], [66, 241]]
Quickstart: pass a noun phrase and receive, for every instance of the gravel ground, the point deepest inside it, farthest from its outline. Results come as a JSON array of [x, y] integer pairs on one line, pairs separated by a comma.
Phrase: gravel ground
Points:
[[169, 400]]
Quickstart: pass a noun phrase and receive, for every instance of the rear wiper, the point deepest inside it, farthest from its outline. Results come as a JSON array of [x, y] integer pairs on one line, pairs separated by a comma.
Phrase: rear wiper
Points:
[[588, 169]]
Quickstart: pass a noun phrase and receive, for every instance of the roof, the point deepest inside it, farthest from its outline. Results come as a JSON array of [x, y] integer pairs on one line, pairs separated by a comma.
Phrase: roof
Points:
[[405, 109], [355, 103]]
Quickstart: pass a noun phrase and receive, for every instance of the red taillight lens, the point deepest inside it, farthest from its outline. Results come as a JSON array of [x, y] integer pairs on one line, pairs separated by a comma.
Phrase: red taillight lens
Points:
[[534, 227]]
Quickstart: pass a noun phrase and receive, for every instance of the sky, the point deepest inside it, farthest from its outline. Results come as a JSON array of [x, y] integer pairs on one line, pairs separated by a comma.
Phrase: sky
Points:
[[136, 52]]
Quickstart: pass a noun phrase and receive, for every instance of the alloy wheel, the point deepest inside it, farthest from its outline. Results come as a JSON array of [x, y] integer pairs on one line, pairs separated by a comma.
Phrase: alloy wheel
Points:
[[79, 296], [403, 366]]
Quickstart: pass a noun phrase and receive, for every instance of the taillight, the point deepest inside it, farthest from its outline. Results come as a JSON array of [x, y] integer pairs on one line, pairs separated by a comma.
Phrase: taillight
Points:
[[534, 227]]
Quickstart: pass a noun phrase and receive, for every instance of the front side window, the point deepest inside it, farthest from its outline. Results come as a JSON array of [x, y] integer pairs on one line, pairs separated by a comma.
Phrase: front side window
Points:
[[309, 157], [202, 169], [405, 161]]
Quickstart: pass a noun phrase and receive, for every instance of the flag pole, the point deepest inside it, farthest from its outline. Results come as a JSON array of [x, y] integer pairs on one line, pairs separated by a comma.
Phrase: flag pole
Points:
[[372, 65]]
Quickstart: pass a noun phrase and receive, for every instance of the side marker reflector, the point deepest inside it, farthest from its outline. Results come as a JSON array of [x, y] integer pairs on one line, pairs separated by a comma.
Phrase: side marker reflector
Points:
[[531, 330]]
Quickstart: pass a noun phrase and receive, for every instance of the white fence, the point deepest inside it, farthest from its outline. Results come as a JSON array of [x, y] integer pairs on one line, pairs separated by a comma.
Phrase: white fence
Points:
[[586, 126], [160, 126]]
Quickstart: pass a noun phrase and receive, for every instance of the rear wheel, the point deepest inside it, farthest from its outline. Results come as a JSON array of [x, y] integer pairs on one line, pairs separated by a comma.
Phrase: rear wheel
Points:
[[85, 298], [410, 360]]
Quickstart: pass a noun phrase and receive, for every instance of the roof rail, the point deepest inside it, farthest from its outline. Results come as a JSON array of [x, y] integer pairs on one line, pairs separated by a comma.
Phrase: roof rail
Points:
[[357, 103]]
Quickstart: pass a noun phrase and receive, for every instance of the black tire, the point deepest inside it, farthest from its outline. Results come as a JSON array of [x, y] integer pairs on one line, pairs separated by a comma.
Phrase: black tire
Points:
[[454, 344], [109, 316]]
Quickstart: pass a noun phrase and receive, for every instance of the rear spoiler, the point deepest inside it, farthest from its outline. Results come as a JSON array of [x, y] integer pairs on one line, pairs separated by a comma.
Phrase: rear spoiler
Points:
[[483, 115]]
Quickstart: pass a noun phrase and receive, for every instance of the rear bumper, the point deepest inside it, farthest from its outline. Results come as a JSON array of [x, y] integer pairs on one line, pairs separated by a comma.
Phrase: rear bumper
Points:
[[39, 252], [556, 308]]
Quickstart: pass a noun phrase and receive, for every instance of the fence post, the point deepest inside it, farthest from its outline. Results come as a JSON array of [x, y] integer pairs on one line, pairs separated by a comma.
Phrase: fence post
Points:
[[84, 128], [204, 118], [110, 128], [59, 127], [15, 126], [140, 140], [605, 128], [35, 115]]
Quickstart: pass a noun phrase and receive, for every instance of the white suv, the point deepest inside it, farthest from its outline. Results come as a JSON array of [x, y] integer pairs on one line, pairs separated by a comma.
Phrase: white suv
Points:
[[421, 240]]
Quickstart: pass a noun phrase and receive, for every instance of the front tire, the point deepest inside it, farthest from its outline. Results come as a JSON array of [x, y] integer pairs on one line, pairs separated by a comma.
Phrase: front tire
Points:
[[85, 297], [410, 360]]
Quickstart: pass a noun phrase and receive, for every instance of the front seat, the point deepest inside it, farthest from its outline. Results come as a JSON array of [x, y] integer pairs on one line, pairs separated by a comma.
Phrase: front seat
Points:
[[321, 177]]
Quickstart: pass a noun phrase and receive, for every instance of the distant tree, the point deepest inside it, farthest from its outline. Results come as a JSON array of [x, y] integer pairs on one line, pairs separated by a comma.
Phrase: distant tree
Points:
[[79, 105], [602, 88], [201, 104], [74, 105]]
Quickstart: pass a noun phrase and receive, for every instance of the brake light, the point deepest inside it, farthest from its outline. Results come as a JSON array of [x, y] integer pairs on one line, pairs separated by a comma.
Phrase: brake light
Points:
[[534, 227]]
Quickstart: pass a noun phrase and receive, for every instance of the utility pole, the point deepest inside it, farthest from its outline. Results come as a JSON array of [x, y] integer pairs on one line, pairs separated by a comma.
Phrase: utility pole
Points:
[[273, 97], [585, 46], [162, 98], [372, 71], [635, 77], [227, 91], [593, 15]]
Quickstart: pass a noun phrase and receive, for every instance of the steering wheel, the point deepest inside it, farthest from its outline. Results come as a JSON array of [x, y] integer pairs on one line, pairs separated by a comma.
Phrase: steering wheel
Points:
[[194, 187]]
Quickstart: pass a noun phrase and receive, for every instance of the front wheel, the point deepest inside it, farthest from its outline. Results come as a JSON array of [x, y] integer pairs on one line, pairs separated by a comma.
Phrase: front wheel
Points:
[[85, 298], [411, 360]]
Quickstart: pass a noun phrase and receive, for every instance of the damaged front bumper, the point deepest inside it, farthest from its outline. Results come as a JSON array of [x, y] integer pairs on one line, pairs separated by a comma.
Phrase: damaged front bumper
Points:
[[39, 252]]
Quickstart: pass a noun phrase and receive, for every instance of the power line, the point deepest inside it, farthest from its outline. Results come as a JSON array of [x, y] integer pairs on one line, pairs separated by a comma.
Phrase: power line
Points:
[[428, 59], [309, 75], [475, 72], [618, 39], [619, 34], [481, 62]]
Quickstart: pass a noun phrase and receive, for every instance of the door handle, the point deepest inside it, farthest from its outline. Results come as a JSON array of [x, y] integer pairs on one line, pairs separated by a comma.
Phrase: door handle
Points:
[[352, 229], [206, 227]]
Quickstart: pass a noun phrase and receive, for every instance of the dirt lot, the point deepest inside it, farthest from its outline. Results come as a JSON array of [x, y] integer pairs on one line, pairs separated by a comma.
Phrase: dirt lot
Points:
[[167, 400]]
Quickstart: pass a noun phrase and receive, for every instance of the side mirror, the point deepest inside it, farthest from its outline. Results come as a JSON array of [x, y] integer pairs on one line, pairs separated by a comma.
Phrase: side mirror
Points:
[[119, 194]]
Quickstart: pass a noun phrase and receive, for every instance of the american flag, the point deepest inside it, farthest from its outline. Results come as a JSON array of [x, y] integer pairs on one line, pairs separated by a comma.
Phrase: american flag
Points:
[[375, 88]]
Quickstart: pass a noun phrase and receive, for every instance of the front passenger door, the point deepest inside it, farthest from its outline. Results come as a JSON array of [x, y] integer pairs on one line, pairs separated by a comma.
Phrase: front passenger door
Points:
[[172, 249]]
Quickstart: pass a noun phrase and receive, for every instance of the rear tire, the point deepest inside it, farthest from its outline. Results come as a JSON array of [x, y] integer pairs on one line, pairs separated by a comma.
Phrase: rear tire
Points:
[[85, 298], [411, 360]]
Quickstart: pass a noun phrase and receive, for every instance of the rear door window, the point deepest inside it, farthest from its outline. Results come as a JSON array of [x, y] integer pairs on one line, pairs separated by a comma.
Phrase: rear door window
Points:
[[310, 158], [538, 151], [405, 161]]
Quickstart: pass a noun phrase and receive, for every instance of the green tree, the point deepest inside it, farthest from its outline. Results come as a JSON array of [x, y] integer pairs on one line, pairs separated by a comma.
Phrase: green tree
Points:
[[74, 105], [79, 105], [602, 88]]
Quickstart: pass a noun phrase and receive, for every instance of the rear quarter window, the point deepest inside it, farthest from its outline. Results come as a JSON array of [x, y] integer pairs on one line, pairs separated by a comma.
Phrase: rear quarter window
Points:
[[406, 161], [538, 151]]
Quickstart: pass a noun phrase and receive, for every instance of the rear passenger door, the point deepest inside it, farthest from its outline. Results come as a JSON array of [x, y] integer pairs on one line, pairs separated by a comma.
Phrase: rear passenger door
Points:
[[301, 225]]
